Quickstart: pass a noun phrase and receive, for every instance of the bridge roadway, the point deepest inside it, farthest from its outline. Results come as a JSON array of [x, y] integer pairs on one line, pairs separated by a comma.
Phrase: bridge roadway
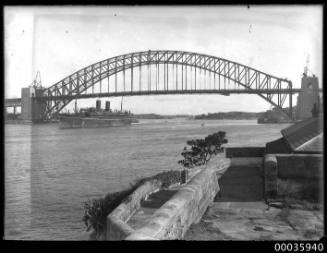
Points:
[[11, 102]]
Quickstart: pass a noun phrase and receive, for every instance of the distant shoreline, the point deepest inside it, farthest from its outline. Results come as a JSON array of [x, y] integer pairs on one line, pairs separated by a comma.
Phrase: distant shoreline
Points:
[[209, 116], [225, 118]]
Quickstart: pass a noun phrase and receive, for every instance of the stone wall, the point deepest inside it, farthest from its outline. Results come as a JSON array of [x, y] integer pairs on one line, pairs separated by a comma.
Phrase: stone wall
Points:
[[245, 152], [186, 207], [270, 176], [294, 175], [117, 227], [171, 220], [300, 165]]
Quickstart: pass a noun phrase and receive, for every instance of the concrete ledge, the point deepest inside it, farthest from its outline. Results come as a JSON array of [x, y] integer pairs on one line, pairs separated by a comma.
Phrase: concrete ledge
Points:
[[245, 152], [186, 207], [218, 163], [117, 228], [246, 161]]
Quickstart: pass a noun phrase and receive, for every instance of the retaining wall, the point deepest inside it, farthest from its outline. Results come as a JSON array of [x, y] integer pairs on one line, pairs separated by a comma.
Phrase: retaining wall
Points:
[[294, 175], [173, 219], [117, 227], [307, 166], [186, 207], [245, 152]]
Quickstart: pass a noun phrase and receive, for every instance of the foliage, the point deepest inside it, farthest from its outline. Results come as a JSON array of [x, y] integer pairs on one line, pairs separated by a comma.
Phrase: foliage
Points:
[[229, 115], [168, 178], [97, 210], [202, 149], [94, 215]]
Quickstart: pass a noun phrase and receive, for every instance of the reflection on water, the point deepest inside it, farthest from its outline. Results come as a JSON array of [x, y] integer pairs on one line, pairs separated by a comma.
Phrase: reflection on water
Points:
[[50, 172]]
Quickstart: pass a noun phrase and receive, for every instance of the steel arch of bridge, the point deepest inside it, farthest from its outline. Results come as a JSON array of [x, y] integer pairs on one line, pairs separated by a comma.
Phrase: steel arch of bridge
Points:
[[273, 89]]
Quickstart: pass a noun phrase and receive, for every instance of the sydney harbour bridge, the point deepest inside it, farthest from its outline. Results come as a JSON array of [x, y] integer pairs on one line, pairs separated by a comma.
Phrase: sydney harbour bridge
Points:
[[158, 72]]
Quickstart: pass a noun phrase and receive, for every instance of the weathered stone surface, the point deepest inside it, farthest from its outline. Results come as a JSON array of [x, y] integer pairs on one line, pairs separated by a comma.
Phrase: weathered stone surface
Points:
[[243, 181], [141, 237], [293, 175], [187, 206], [276, 204], [256, 221], [140, 217], [245, 152], [171, 220], [302, 189], [117, 227], [246, 161], [296, 166], [270, 176]]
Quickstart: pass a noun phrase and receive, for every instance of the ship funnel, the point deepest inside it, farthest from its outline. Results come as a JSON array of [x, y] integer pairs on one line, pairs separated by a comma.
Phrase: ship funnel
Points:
[[107, 105], [98, 105]]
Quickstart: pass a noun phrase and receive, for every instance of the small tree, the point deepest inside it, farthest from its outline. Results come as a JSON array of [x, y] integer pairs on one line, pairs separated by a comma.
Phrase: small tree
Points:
[[202, 149]]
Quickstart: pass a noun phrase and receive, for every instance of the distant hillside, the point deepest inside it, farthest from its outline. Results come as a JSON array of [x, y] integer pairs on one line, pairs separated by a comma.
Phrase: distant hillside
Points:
[[149, 116], [230, 115], [218, 115]]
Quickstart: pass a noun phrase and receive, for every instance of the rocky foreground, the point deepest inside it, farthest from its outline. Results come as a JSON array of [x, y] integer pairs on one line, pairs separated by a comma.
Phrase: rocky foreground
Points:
[[257, 221]]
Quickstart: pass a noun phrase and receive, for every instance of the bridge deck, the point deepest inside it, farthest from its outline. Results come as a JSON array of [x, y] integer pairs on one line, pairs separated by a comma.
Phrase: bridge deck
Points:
[[9, 102]]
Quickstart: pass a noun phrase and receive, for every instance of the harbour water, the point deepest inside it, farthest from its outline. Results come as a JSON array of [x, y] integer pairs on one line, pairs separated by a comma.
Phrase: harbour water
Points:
[[50, 172]]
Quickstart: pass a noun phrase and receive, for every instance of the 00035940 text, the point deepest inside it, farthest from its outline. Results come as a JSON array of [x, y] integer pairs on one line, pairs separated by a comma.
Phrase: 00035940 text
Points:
[[300, 247]]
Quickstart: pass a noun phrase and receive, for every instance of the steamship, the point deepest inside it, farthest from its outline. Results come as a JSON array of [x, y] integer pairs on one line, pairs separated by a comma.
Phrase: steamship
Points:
[[97, 117]]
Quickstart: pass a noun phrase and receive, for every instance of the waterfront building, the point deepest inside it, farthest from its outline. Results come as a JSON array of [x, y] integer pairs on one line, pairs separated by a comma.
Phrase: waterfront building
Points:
[[305, 136]]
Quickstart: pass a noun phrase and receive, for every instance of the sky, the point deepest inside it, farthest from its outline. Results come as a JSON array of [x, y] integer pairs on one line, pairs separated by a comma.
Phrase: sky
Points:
[[58, 41]]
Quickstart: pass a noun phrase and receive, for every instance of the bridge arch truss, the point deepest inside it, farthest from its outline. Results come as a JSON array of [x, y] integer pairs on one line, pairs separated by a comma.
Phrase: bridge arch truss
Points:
[[246, 79]]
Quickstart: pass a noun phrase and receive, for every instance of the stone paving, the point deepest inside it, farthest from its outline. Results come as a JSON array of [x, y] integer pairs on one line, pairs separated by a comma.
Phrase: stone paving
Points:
[[256, 221], [242, 181]]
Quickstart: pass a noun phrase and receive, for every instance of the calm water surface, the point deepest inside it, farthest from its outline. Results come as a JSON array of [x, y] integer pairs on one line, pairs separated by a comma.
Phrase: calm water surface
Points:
[[50, 172]]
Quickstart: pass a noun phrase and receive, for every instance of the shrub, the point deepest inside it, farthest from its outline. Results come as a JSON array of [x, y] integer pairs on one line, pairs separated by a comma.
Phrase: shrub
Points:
[[202, 150], [94, 215], [97, 210], [168, 178]]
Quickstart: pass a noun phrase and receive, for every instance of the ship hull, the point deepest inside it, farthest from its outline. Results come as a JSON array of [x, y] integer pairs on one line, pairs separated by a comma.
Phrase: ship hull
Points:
[[79, 122]]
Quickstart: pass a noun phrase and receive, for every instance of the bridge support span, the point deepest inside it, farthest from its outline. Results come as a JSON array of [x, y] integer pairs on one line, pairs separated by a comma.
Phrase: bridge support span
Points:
[[308, 97], [32, 109]]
